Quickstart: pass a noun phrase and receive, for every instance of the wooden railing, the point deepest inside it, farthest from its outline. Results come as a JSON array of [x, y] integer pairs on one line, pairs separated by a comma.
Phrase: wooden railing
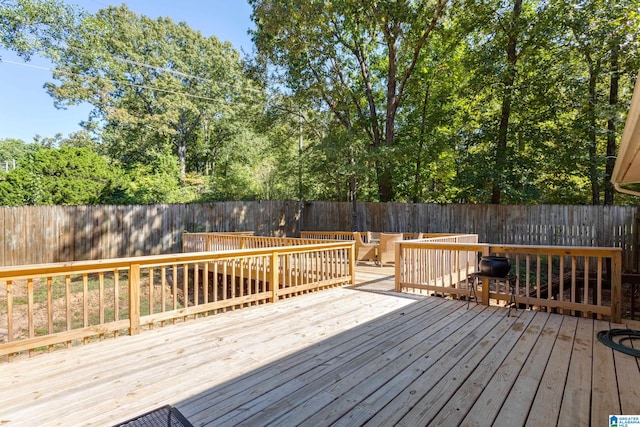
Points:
[[449, 238], [327, 235], [437, 268], [348, 235], [43, 307], [569, 280], [201, 242]]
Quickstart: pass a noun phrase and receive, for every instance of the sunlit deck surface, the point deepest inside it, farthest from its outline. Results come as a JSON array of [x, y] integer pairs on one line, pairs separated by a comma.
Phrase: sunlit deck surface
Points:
[[361, 355]]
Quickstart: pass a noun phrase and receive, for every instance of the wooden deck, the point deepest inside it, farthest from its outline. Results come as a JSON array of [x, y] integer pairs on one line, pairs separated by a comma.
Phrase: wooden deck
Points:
[[361, 355]]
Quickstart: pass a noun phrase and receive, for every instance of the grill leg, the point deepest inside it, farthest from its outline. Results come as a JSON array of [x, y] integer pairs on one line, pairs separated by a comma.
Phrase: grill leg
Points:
[[512, 296], [472, 290]]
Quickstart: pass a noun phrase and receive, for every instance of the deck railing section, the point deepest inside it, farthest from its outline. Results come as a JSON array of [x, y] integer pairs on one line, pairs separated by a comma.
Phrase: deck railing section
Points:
[[43, 307], [327, 235], [569, 280], [348, 235], [199, 242], [434, 269]]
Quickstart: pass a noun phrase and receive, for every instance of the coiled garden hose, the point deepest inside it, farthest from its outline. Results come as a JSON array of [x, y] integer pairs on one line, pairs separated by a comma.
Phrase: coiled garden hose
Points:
[[607, 338]]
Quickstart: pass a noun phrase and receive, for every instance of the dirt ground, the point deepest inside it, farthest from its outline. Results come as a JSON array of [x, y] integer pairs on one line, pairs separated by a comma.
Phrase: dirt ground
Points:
[[59, 308]]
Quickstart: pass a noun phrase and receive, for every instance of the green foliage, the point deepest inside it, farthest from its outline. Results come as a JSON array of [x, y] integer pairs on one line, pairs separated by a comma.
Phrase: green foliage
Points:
[[31, 27], [157, 84], [12, 151], [353, 58], [154, 183], [65, 176], [487, 101]]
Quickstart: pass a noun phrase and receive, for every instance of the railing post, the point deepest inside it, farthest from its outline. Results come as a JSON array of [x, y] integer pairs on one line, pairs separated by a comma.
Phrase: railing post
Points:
[[486, 251], [616, 287], [134, 299], [397, 267], [352, 263], [274, 274]]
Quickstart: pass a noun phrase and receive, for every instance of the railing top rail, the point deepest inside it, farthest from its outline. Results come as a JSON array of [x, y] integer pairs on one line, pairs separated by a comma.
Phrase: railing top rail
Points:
[[76, 267], [557, 250], [530, 249], [327, 232], [407, 235], [234, 233]]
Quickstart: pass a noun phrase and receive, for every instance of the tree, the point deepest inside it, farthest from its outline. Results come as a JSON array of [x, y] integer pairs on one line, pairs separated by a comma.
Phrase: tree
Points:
[[155, 83], [428, 123], [156, 182], [31, 27], [65, 176], [354, 57], [598, 34], [503, 44], [12, 151]]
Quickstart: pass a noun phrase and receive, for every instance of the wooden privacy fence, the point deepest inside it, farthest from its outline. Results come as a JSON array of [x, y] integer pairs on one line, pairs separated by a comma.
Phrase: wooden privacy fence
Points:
[[569, 280], [547, 225], [43, 307], [44, 234]]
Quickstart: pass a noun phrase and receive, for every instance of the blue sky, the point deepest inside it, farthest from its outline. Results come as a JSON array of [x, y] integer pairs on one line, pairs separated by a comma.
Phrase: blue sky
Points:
[[27, 110]]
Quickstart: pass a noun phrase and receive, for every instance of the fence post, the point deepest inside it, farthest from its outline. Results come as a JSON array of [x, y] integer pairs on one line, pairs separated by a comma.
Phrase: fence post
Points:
[[616, 287], [134, 299], [273, 276]]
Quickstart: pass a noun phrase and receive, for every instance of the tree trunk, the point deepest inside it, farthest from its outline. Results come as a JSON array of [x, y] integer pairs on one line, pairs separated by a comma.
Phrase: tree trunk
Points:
[[182, 157], [611, 124], [503, 131], [417, 181], [593, 138], [181, 144], [353, 193], [386, 191]]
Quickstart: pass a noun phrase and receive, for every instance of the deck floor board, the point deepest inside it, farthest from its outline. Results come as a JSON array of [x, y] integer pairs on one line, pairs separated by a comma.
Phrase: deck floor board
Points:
[[577, 390], [347, 356]]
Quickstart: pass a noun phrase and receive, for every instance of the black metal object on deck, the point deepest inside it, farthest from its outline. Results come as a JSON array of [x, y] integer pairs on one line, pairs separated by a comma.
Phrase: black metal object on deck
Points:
[[166, 416], [617, 338]]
